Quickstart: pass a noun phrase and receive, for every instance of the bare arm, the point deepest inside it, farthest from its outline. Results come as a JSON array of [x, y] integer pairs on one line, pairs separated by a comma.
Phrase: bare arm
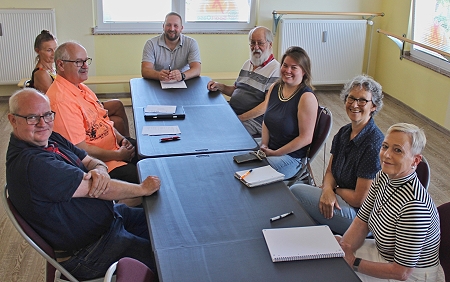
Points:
[[120, 190], [265, 130], [122, 154], [42, 80], [255, 112], [225, 89], [148, 71], [356, 197], [353, 239], [194, 70], [306, 115]]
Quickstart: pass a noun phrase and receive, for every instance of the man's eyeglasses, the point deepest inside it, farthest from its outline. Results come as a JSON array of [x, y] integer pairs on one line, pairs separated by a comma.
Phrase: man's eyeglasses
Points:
[[80, 63], [35, 119], [260, 44], [360, 101]]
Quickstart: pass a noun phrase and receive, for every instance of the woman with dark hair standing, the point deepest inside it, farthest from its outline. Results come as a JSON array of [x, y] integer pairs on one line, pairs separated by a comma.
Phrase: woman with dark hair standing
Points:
[[44, 73], [291, 114]]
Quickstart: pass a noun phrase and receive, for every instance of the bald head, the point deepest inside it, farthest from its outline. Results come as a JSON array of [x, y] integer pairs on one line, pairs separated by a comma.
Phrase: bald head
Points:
[[31, 117], [72, 62]]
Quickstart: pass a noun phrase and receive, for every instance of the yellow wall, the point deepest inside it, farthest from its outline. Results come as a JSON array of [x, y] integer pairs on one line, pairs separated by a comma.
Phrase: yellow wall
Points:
[[416, 86], [420, 88]]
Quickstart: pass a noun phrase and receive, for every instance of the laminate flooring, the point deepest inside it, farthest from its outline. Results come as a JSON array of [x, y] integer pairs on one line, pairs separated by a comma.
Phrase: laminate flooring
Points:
[[20, 262]]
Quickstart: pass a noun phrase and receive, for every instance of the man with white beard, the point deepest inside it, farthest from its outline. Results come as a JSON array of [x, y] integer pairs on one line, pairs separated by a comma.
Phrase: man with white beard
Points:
[[250, 88]]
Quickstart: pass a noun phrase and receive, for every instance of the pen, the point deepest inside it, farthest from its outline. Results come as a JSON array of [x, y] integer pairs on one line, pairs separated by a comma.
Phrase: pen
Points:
[[170, 69], [247, 173], [281, 216], [166, 139]]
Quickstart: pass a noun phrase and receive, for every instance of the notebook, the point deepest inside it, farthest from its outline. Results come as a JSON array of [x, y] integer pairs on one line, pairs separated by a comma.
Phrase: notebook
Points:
[[302, 243], [177, 114], [259, 176]]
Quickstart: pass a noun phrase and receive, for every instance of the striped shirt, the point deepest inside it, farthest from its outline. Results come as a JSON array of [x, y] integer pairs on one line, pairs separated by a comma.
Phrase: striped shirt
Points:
[[403, 220]]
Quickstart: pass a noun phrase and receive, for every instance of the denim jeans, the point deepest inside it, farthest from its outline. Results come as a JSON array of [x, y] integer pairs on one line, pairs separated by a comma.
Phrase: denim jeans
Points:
[[127, 237], [309, 197], [285, 164]]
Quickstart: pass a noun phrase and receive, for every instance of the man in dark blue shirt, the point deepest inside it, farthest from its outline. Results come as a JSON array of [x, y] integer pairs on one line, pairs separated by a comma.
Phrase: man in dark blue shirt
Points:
[[67, 196]]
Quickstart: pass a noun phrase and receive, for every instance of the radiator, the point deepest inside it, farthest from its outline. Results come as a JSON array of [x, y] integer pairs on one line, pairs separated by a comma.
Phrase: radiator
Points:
[[18, 30], [336, 47]]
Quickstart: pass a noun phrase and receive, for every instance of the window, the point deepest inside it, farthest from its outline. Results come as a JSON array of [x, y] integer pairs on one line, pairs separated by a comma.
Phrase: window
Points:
[[431, 26], [147, 16]]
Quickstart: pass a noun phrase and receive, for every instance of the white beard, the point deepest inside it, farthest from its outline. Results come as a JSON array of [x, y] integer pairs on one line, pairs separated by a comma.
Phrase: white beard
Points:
[[263, 56]]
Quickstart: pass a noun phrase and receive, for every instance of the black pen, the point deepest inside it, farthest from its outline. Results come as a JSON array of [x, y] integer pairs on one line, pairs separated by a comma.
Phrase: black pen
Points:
[[281, 216]]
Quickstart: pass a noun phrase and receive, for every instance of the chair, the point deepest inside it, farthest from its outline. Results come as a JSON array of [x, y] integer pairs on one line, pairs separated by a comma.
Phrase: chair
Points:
[[423, 173], [444, 249], [322, 130], [54, 271], [129, 269]]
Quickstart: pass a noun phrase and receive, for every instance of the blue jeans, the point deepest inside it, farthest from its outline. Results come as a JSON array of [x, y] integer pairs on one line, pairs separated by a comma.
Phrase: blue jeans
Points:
[[285, 164], [127, 237], [309, 197]]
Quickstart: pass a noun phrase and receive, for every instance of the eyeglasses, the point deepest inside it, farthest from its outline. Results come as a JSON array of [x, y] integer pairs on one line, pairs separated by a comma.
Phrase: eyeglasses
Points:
[[260, 44], [80, 63], [360, 101], [35, 119]]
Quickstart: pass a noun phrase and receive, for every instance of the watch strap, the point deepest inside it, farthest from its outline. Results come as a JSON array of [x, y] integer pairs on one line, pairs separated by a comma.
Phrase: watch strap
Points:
[[356, 264], [183, 76]]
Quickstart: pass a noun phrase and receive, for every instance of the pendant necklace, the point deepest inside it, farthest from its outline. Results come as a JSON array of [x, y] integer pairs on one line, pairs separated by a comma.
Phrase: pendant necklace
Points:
[[281, 96], [380, 208]]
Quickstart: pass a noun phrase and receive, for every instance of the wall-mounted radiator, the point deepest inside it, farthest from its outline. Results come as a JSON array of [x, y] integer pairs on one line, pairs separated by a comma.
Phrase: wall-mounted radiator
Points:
[[336, 47], [18, 30]]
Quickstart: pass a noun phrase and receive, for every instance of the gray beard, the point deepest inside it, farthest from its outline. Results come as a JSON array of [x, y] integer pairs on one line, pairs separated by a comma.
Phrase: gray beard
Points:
[[259, 61]]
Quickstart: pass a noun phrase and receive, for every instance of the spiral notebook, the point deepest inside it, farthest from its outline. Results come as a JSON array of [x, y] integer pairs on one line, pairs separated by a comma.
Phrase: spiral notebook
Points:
[[302, 243], [259, 176]]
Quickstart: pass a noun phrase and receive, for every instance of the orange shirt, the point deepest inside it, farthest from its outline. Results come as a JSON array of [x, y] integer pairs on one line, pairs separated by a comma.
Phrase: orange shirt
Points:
[[81, 117]]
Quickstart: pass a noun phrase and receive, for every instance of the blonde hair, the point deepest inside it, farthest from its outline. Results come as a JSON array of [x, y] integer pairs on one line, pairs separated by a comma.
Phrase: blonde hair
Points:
[[416, 134]]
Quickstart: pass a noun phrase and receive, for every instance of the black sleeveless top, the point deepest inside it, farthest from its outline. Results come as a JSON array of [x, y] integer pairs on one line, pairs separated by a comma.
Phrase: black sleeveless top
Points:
[[282, 122], [31, 83]]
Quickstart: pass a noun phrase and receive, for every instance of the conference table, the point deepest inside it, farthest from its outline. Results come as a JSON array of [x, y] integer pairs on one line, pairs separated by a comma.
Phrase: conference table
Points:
[[210, 125], [205, 225]]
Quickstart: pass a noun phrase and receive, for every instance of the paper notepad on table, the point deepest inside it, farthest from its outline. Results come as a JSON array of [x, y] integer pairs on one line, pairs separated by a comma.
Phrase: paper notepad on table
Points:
[[173, 84], [160, 109], [259, 176], [301, 243], [160, 130]]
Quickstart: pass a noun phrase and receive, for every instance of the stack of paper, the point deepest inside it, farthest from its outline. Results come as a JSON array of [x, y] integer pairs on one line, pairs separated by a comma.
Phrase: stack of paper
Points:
[[160, 109], [259, 176]]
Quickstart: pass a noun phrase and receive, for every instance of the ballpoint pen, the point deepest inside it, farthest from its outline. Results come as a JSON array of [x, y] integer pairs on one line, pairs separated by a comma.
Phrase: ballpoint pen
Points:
[[245, 174], [281, 216], [166, 139], [170, 68]]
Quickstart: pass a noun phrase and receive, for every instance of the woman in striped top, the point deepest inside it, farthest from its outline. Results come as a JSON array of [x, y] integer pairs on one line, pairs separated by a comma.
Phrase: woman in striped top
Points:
[[400, 214]]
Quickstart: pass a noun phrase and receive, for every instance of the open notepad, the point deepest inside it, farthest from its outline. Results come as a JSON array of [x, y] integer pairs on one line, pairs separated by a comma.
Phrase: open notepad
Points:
[[300, 243], [259, 176]]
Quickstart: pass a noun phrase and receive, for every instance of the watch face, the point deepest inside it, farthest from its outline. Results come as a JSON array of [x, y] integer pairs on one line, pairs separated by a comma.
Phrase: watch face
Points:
[[183, 76]]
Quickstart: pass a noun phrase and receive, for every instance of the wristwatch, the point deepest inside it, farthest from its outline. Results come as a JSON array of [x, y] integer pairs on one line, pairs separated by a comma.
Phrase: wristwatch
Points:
[[356, 264], [183, 76]]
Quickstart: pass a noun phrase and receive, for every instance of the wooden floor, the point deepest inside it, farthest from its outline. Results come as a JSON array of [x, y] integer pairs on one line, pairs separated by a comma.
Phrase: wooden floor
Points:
[[19, 262]]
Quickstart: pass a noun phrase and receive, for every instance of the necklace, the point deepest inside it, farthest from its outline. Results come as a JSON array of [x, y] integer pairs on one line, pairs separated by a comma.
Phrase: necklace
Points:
[[281, 96], [380, 208]]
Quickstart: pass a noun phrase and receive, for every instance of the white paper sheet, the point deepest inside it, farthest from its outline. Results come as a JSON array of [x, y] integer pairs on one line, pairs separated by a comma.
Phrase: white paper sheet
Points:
[[160, 130], [173, 84], [160, 109]]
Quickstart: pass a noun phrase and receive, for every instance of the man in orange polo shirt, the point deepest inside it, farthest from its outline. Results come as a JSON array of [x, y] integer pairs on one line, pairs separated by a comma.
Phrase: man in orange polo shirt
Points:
[[81, 118]]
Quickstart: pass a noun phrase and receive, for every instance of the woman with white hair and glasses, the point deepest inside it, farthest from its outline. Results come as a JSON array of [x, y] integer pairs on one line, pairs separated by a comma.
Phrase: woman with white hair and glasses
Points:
[[400, 214], [354, 159]]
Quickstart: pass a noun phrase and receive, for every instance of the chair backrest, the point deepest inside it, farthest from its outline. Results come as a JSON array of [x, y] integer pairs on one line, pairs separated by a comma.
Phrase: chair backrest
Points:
[[423, 173], [35, 240], [321, 131], [444, 249], [129, 269]]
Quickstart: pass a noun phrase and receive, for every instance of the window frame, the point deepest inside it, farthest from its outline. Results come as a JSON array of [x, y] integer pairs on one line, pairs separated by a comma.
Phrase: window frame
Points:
[[156, 27], [415, 51]]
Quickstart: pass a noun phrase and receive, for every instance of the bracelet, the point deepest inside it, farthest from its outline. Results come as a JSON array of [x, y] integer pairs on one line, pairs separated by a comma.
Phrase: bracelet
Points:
[[101, 164]]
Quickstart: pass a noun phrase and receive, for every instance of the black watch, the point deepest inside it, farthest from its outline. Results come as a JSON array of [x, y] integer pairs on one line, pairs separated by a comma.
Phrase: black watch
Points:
[[356, 264], [183, 76]]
